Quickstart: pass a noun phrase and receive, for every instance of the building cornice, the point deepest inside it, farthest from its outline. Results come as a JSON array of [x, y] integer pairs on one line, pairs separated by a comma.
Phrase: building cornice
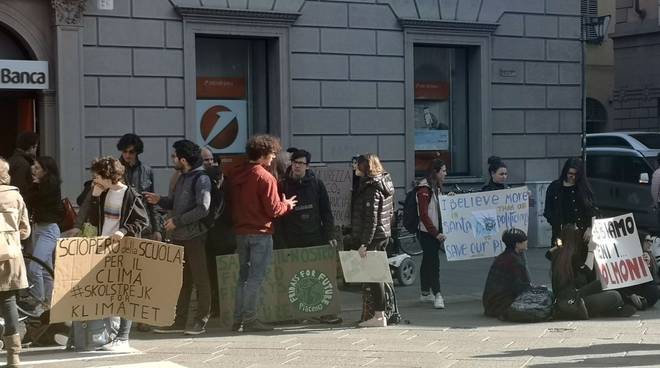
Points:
[[245, 16], [447, 25]]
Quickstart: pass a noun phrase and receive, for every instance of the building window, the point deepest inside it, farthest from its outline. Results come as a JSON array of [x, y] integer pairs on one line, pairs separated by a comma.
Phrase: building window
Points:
[[441, 103], [596, 116], [588, 9], [231, 91]]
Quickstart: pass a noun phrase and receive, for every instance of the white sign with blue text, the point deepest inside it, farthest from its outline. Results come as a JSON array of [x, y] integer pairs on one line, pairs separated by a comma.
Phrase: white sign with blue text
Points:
[[474, 222]]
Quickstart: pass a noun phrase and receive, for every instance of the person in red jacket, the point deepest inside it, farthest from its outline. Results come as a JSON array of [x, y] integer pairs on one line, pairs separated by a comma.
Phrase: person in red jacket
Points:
[[255, 202]]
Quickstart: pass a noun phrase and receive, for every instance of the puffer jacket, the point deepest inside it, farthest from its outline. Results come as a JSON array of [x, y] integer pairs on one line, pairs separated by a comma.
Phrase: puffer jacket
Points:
[[14, 227], [373, 209]]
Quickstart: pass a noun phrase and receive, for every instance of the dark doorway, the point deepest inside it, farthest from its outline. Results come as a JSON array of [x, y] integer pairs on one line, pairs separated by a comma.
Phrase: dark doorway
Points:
[[17, 108]]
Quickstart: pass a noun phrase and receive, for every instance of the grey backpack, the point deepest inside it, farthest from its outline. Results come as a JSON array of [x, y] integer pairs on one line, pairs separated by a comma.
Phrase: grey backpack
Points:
[[91, 335]]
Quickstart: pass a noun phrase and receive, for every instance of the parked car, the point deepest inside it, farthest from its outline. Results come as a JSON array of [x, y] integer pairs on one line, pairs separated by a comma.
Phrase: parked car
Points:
[[619, 169]]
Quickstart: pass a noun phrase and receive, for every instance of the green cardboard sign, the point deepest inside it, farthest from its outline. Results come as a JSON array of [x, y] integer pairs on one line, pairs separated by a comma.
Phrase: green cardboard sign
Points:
[[300, 283]]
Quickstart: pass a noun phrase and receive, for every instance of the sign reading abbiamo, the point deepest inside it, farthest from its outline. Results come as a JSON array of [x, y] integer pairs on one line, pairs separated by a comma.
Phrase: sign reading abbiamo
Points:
[[23, 74], [138, 279], [474, 222], [618, 252]]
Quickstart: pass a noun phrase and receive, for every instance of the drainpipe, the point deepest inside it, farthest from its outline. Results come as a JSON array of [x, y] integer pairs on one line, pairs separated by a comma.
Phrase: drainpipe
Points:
[[640, 12]]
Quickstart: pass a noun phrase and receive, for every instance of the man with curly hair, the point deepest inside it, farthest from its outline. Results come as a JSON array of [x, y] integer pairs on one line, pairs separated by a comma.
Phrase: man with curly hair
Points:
[[190, 203], [123, 213], [255, 202]]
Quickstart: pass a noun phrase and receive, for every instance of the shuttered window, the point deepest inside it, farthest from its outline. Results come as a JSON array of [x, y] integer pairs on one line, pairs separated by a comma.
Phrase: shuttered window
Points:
[[588, 9]]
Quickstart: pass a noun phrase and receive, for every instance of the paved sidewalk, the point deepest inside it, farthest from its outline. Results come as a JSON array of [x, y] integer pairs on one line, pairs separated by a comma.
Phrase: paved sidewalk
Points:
[[459, 336]]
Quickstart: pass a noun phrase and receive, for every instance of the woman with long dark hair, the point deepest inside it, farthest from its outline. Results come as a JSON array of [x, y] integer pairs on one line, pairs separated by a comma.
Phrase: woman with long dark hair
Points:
[[569, 200], [498, 174], [45, 202], [430, 233], [373, 209], [573, 280]]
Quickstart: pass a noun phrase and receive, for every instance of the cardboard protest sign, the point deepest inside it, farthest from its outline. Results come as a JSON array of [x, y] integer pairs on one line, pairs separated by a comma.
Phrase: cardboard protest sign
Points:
[[618, 252], [372, 268], [474, 222], [338, 183], [300, 283], [138, 279]]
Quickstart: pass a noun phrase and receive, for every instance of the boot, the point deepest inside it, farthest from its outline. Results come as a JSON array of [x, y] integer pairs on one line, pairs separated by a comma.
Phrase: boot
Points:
[[13, 347]]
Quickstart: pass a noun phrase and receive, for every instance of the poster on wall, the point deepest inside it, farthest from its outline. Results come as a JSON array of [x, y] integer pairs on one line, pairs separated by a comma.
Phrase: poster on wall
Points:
[[222, 125], [431, 125]]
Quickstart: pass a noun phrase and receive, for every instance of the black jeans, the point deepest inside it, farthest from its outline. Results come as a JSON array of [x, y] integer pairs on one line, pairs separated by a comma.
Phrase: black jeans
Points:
[[377, 290], [429, 271], [600, 302], [195, 272], [8, 311]]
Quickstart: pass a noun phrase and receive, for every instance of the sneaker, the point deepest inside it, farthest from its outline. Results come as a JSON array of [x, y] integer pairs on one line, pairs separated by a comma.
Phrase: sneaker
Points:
[[428, 297], [61, 339], [236, 326], [175, 328], [256, 326], [438, 302], [116, 346], [626, 310], [374, 322], [198, 328]]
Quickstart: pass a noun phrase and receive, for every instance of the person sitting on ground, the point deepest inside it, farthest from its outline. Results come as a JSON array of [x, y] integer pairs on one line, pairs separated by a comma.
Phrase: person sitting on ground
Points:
[[644, 295], [572, 279], [508, 276]]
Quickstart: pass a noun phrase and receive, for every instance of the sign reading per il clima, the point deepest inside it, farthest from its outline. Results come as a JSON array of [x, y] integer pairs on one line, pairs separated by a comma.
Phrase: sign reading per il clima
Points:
[[23, 74]]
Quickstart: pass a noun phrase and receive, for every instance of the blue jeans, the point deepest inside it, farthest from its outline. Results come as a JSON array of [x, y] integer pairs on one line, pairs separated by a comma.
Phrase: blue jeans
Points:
[[44, 237], [255, 253]]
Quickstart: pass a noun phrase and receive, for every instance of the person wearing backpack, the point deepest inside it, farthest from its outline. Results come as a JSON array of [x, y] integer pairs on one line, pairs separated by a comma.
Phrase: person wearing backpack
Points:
[[190, 204], [430, 232]]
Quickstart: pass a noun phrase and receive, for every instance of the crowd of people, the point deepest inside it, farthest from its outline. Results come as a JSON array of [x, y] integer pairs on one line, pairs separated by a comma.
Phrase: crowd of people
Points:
[[272, 201]]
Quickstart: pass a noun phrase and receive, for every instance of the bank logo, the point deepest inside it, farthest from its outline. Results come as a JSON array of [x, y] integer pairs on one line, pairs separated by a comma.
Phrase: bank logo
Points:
[[219, 127], [310, 291]]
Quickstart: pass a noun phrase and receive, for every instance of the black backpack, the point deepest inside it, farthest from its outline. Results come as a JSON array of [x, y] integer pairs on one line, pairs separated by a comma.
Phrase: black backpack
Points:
[[217, 207], [410, 212]]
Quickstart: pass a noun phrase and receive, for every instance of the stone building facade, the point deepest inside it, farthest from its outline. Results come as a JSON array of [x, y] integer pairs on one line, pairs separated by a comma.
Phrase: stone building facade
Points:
[[636, 94], [338, 78]]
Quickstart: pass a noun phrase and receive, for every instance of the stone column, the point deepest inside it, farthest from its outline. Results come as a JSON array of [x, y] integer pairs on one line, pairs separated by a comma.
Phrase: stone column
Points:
[[68, 15]]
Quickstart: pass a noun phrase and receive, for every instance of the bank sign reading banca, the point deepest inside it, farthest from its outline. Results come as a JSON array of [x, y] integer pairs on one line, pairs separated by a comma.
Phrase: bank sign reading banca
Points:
[[23, 74]]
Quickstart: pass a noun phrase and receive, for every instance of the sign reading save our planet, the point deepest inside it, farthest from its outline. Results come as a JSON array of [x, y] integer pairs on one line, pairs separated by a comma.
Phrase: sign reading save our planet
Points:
[[474, 222]]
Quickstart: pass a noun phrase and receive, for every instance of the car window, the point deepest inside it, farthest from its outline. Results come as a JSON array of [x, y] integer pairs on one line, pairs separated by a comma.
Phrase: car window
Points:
[[651, 141], [632, 167], [604, 141], [604, 167]]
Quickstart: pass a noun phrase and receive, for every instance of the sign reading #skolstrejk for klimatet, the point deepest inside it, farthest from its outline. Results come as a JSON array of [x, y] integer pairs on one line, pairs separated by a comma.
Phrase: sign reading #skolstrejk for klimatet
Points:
[[23, 74]]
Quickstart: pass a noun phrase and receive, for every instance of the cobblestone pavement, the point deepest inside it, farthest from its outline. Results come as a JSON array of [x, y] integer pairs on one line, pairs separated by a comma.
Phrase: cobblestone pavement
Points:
[[459, 336]]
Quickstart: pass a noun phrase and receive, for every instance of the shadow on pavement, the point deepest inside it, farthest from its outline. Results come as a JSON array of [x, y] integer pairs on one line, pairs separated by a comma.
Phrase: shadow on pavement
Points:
[[601, 349]]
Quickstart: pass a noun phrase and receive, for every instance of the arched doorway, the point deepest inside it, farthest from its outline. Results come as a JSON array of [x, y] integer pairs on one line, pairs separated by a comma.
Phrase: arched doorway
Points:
[[17, 106], [596, 116]]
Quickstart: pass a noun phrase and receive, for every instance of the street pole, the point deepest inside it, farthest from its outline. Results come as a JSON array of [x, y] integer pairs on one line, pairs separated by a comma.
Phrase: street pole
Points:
[[584, 93]]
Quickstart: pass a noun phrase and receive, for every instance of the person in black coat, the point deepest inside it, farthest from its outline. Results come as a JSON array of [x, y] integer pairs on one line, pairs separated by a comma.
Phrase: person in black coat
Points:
[[498, 175], [569, 200], [508, 276], [311, 222]]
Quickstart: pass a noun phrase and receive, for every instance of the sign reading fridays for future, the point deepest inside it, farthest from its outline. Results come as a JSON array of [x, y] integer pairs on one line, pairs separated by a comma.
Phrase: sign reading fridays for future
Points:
[[618, 253], [474, 222], [300, 283], [137, 279]]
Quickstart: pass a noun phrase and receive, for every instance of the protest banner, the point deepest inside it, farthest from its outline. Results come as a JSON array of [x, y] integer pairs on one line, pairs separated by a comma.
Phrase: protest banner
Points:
[[300, 283], [338, 183], [618, 252], [474, 222], [138, 279], [372, 268]]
